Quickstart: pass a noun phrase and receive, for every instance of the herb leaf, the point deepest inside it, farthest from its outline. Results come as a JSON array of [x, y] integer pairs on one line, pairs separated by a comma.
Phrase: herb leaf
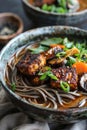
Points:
[[13, 85], [82, 56], [67, 43], [49, 41], [61, 10], [38, 49], [62, 3], [71, 60]]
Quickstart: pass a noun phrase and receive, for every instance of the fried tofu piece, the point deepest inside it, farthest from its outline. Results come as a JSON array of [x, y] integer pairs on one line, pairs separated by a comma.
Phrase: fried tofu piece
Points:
[[29, 64], [66, 74]]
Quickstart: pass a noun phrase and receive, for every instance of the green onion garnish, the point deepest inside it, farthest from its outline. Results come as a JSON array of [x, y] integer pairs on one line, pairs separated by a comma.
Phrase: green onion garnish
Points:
[[61, 54], [47, 74], [65, 86]]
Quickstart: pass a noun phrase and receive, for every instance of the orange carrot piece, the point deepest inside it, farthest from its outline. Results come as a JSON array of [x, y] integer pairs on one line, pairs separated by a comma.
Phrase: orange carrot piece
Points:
[[57, 45], [81, 67]]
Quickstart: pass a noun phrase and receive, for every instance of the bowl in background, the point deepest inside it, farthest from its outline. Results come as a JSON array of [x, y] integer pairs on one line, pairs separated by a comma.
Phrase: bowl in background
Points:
[[10, 26], [43, 18], [37, 112]]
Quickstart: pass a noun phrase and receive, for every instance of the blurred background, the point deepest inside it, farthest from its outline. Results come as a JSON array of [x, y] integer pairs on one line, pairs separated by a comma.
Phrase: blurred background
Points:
[[16, 7]]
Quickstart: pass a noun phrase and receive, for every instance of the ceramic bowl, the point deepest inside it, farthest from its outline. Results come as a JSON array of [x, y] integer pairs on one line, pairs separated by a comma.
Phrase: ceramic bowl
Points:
[[43, 18], [36, 112], [9, 22]]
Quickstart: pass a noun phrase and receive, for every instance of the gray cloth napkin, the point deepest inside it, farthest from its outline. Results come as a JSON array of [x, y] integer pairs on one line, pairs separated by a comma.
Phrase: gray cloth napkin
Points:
[[13, 119]]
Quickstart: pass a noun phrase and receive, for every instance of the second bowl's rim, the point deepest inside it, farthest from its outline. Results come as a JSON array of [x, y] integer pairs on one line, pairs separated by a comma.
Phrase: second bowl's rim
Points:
[[72, 110], [20, 28], [53, 13]]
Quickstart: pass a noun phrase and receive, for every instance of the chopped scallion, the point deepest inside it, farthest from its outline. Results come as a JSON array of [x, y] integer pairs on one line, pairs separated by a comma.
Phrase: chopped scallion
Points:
[[47, 74], [65, 86]]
